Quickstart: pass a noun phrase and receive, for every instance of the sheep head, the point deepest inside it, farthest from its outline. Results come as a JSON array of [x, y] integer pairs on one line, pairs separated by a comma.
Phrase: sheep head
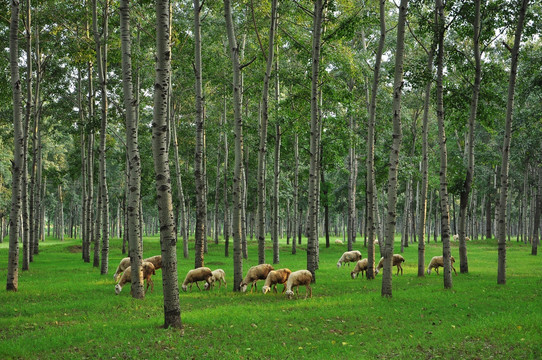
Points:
[[118, 289], [266, 289], [353, 274], [289, 294], [243, 286], [339, 264], [184, 287]]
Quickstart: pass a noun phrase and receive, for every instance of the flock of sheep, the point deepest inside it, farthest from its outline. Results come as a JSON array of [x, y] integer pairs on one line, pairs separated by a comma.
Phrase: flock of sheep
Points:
[[290, 280]]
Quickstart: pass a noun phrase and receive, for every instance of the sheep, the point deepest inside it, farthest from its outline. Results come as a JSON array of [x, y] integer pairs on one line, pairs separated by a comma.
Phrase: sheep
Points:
[[338, 242], [348, 257], [125, 263], [456, 238], [198, 274], [275, 277], [396, 261], [255, 273], [218, 275], [297, 278], [438, 261], [361, 266], [145, 272]]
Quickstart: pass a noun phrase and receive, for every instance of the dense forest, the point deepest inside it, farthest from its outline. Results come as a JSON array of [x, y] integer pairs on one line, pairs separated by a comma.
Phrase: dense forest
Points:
[[269, 121]]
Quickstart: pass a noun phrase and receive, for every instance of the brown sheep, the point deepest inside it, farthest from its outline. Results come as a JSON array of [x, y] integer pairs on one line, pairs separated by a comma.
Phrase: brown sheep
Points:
[[275, 277], [438, 261], [125, 263], [297, 278], [195, 275], [255, 273], [361, 266], [348, 257], [145, 272], [396, 261]]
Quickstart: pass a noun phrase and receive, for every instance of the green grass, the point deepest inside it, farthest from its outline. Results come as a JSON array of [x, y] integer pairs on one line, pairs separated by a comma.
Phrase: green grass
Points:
[[65, 309]]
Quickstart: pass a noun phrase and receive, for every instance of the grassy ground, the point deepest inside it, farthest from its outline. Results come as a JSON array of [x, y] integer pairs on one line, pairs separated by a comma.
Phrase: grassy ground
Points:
[[65, 309]]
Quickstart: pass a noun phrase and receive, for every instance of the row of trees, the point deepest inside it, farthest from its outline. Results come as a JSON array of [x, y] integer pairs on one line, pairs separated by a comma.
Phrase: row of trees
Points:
[[345, 93]]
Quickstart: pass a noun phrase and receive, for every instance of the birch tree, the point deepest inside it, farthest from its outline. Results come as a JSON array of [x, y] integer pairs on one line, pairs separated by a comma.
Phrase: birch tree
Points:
[[514, 53], [394, 153]]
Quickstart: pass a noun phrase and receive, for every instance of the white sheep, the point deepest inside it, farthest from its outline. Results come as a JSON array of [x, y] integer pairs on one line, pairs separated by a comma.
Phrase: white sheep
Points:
[[396, 261], [338, 242], [145, 272], [195, 275], [361, 266], [348, 257], [456, 238], [218, 275], [438, 261], [255, 273], [275, 277], [125, 263], [297, 278]]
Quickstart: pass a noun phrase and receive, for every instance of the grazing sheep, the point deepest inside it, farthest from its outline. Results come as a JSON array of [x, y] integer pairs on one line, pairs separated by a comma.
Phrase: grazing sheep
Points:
[[195, 275], [297, 278], [438, 261], [255, 273], [361, 266], [338, 242], [218, 275], [396, 261], [275, 277], [145, 272], [348, 257], [125, 263], [456, 238]]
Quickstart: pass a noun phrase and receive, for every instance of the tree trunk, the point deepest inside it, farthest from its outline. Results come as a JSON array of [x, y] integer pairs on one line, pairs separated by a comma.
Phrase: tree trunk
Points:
[[180, 191], [226, 202], [297, 218], [465, 191], [133, 214], [538, 210], [28, 115], [501, 268], [394, 153], [168, 238], [262, 152], [312, 226], [352, 167], [238, 131], [18, 141], [444, 209], [199, 171], [424, 170], [276, 172], [370, 181]]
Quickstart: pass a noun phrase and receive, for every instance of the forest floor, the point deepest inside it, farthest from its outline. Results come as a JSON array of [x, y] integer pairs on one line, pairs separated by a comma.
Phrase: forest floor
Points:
[[65, 309]]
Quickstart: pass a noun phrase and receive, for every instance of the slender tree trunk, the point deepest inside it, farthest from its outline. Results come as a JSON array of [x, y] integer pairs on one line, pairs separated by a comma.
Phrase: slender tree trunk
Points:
[[262, 152], [394, 153], [297, 218], [312, 226], [371, 182], [133, 214], [17, 164], [180, 192], [226, 202], [168, 238], [538, 210], [352, 167], [501, 268], [238, 131], [444, 208], [424, 170], [199, 171], [465, 191]]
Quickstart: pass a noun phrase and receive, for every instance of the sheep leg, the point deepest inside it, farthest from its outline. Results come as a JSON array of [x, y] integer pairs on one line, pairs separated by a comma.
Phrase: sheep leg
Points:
[[198, 286], [454, 270], [436, 270], [308, 291]]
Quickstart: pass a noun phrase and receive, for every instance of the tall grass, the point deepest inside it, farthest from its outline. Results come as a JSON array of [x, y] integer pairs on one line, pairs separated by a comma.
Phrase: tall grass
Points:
[[65, 309]]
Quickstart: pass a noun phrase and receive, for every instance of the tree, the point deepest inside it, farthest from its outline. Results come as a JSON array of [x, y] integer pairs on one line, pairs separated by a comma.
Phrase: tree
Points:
[[443, 191], [18, 140], [168, 238], [238, 132], [514, 52], [132, 150], [371, 194], [262, 153], [312, 219], [199, 170], [394, 152]]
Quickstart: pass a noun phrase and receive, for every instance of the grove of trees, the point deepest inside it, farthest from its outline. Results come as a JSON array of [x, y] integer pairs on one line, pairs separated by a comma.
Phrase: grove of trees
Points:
[[209, 120]]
